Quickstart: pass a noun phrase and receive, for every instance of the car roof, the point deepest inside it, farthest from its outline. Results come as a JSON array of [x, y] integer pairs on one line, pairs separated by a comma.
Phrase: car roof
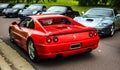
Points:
[[60, 5], [103, 8]]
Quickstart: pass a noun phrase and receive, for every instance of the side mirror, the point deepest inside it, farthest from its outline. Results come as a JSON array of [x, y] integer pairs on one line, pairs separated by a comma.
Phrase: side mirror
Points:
[[38, 13], [44, 9], [118, 16], [83, 13], [14, 23], [69, 11]]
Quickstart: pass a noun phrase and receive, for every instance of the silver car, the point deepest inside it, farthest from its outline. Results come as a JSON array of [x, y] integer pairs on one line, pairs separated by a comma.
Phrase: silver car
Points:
[[104, 20]]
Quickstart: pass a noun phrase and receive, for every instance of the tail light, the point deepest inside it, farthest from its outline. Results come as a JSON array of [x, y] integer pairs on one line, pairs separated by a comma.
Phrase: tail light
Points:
[[95, 33], [50, 39], [92, 33], [55, 39]]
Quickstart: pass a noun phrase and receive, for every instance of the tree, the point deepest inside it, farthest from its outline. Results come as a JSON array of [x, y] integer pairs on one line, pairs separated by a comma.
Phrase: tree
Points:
[[116, 3], [113, 3]]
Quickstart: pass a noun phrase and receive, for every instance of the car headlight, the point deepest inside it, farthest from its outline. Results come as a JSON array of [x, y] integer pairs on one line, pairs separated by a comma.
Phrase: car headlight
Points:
[[15, 10], [34, 12], [20, 11], [4, 10], [102, 25]]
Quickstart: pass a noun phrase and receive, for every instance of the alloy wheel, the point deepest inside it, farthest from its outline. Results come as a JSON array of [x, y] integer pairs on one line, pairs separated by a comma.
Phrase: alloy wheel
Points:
[[32, 51], [112, 30], [11, 35]]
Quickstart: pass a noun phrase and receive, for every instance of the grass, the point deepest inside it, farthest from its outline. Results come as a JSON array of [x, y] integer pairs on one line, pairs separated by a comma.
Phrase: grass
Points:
[[72, 3]]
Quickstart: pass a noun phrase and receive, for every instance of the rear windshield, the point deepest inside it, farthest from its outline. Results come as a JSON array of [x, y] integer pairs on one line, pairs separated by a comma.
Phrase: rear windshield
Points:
[[53, 21]]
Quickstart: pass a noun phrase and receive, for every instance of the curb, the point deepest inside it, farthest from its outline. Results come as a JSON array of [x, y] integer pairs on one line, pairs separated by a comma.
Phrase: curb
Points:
[[3, 64], [16, 61]]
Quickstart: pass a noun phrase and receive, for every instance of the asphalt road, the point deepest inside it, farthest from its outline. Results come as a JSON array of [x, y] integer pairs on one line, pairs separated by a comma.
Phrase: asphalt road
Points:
[[105, 57]]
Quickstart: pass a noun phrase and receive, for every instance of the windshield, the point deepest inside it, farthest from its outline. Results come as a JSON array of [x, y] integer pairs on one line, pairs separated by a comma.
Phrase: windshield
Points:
[[32, 7], [98, 13], [3, 5], [19, 6], [57, 9]]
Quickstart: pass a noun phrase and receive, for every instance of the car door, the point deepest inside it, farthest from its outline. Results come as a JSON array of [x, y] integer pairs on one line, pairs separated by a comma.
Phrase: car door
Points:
[[116, 19], [24, 31]]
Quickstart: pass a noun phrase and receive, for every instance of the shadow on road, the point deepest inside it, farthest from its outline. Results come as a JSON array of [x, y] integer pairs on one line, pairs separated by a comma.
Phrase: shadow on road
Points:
[[54, 61], [66, 60]]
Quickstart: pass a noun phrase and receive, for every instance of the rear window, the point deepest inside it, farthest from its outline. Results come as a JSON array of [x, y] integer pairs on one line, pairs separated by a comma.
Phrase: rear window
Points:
[[53, 21]]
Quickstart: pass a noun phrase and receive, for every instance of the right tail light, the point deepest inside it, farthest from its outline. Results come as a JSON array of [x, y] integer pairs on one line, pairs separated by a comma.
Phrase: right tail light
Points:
[[92, 33]]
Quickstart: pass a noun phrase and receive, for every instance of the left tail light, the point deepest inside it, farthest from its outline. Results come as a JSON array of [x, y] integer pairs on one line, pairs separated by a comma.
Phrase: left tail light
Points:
[[49, 40], [52, 39]]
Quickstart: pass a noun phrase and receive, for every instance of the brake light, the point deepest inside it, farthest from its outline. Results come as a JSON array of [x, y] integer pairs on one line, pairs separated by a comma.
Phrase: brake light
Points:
[[92, 33], [50, 39], [95, 33], [55, 39]]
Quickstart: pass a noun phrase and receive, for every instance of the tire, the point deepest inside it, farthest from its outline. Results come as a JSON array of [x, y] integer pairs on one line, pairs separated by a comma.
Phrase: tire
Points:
[[7, 16], [11, 35], [89, 51], [112, 30], [32, 51]]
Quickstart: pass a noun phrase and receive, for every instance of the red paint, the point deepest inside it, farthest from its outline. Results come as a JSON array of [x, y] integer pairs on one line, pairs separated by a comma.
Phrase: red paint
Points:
[[56, 39]]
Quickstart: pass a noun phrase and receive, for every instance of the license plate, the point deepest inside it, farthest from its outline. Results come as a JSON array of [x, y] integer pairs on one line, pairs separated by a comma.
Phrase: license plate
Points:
[[75, 46]]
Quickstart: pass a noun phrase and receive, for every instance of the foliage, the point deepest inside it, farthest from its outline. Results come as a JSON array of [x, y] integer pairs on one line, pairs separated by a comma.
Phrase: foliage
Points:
[[26, 1], [72, 3], [114, 3]]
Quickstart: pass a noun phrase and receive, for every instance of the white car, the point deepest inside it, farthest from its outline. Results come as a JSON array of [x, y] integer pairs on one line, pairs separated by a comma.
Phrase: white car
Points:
[[104, 20]]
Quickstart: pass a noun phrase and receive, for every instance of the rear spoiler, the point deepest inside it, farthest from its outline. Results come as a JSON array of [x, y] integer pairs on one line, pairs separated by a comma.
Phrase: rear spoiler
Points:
[[56, 34]]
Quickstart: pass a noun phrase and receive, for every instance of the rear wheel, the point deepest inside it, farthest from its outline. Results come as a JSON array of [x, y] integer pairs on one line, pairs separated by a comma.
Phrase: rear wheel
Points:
[[89, 51], [32, 51], [7, 16], [11, 35]]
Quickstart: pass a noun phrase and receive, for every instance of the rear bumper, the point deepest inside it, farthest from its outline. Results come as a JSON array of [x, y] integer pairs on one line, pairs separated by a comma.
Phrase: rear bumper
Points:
[[11, 14], [63, 54], [52, 51]]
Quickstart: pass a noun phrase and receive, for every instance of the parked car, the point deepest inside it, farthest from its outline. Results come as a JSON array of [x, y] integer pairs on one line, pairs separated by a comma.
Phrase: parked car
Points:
[[32, 10], [4, 6], [13, 12], [104, 20], [50, 36], [62, 10]]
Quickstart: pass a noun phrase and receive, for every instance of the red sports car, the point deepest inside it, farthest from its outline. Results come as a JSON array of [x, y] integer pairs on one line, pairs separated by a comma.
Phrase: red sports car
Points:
[[49, 36]]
